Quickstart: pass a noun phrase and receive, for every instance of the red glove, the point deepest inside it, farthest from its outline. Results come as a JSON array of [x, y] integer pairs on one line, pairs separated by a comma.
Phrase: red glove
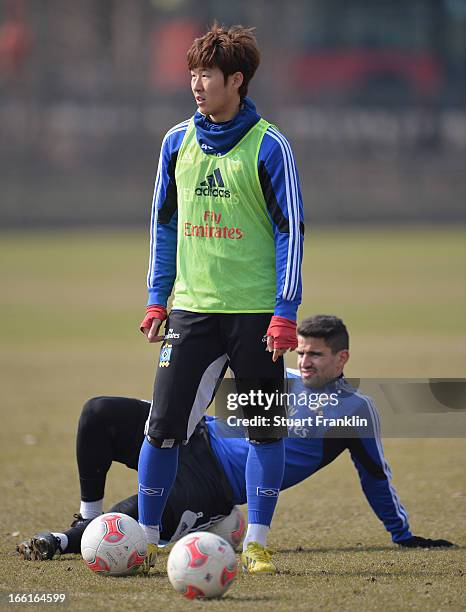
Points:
[[153, 312], [283, 332]]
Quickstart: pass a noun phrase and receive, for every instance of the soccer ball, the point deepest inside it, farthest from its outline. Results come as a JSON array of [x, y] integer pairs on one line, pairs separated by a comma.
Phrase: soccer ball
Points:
[[231, 528], [201, 564], [114, 544]]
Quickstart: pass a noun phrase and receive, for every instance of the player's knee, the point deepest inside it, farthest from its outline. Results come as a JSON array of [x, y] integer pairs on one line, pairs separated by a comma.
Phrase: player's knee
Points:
[[95, 408], [163, 442]]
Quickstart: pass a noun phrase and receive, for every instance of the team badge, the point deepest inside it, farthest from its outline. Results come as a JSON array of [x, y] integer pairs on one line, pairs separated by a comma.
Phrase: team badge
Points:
[[165, 355]]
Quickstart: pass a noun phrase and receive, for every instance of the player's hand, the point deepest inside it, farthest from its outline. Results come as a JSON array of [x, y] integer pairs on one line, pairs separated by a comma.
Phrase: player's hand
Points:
[[152, 332], [419, 542], [281, 336], [150, 325], [277, 352]]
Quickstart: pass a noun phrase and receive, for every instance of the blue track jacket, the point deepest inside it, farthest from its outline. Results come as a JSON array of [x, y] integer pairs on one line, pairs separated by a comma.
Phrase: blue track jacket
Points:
[[282, 192], [308, 449]]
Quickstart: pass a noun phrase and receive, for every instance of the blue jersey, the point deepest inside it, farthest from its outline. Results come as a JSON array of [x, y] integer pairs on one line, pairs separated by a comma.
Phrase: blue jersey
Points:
[[310, 448]]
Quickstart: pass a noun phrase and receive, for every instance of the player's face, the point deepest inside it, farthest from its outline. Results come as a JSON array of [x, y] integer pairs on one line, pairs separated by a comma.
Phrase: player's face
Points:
[[213, 96], [316, 362]]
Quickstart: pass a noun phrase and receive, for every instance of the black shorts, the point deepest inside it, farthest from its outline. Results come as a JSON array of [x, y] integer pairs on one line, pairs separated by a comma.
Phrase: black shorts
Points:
[[201, 495], [194, 357]]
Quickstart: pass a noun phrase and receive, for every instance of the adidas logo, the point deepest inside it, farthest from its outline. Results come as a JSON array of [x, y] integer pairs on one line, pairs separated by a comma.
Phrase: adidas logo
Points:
[[213, 178], [213, 186]]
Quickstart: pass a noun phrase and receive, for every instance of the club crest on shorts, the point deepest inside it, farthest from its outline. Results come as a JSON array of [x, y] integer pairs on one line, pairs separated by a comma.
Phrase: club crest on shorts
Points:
[[165, 355]]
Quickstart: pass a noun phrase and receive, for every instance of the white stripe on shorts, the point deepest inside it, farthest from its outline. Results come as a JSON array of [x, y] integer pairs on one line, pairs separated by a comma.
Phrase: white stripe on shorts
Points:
[[205, 392]]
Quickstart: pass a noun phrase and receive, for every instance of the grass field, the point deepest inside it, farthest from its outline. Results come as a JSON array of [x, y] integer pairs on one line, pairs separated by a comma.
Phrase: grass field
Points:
[[69, 309]]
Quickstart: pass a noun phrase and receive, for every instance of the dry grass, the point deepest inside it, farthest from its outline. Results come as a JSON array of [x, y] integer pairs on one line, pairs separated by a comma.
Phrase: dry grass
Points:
[[69, 307]]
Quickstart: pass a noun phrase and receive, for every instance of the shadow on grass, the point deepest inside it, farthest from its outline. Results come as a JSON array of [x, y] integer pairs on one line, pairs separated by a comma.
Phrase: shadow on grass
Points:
[[338, 549], [368, 575], [364, 549], [238, 597]]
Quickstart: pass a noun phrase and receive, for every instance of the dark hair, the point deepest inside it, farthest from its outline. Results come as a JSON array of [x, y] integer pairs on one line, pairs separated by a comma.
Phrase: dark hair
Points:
[[330, 328], [232, 50]]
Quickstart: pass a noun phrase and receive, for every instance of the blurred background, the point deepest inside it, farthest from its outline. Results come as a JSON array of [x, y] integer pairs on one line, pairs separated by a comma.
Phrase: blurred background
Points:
[[371, 94]]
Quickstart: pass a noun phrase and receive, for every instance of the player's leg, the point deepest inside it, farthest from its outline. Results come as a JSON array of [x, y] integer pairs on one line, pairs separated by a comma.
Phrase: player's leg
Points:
[[255, 371], [102, 438], [191, 361], [201, 494], [200, 497], [109, 429]]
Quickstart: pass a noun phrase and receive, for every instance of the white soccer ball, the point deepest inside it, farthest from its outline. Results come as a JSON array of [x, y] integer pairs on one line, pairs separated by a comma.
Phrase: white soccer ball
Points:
[[114, 544], [231, 528], [201, 564]]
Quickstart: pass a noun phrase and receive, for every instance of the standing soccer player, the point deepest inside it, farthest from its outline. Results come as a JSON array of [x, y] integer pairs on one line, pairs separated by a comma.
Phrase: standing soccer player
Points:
[[226, 235]]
